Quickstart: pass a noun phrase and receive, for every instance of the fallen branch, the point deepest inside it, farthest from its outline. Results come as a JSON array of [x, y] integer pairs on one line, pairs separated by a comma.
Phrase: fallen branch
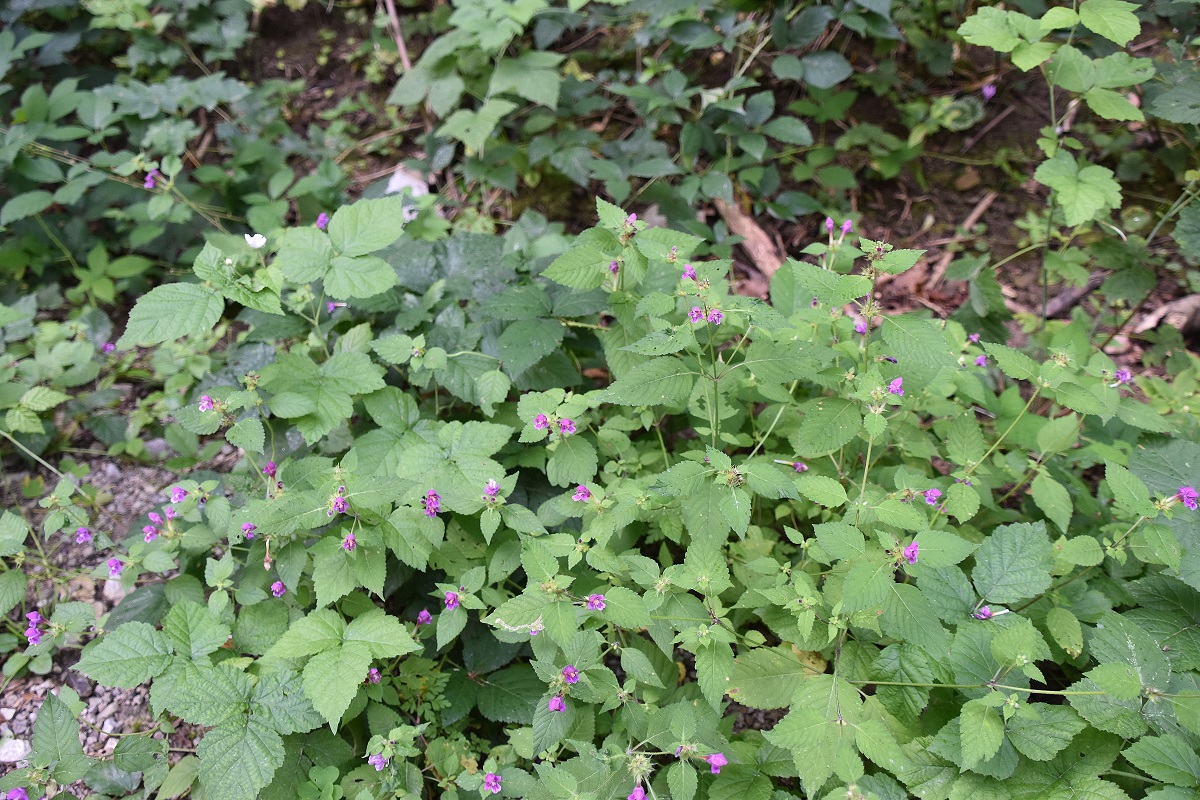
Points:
[[755, 241]]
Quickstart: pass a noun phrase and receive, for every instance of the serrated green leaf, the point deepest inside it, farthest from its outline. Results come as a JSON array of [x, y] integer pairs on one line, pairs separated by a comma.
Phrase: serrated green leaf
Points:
[[193, 630], [171, 312], [1013, 563], [625, 608], [822, 490], [1166, 758], [511, 695], [660, 381], [367, 226], [827, 287], [1064, 627], [713, 667], [358, 277], [1083, 193], [56, 742], [981, 732], [940, 548], [1112, 105], [304, 254], [42, 398], [1059, 434], [1041, 731], [25, 205], [384, 635], [320, 630], [1119, 680], [1112, 19], [1053, 499], [989, 27], [248, 434], [580, 268], [829, 424], [201, 694], [126, 657], [238, 759], [768, 677], [919, 346], [1012, 363], [332, 678]]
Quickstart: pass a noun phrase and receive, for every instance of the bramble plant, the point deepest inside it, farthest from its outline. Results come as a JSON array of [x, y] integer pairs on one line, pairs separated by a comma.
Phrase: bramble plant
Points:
[[446, 565]]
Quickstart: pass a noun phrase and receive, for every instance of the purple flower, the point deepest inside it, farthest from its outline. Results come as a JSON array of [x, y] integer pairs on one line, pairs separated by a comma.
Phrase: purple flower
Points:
[[595, 602], [178, 494], [424, 618], [1124, 376], [931, 496], [541, 422], [83, 536], [149, 533], [974, 338], [638, 793], [322, 221], [114, 568], [349, 543], [155, 518], [17, 794], [170, 512], [981, 361], [799, 466], [847, 226], [988, 90], [632, 219], [983, 613], [829, 224], [340, 505], [108, 347], [716, 761], [248, 529], [566, 427], [814, 303], [491, 781], [32, 633], [491, 489], [570, 674], [451, 600], [278, 589], [1187, 495], [206, 403], [688, 272], [696, 314], [896, 387], [860, 326], [910, 552], [151, 178], [716, 316], [614, 267], [581, 494], [269, 469], [556, 703], [331, 306], [378, 761], [432, 503], [373, 675]]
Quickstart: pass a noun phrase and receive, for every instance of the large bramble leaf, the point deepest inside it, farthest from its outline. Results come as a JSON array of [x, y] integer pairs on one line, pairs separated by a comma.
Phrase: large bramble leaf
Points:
[[1013, 563], [56, 743], [126, 657], [238, 759], [171, 312]]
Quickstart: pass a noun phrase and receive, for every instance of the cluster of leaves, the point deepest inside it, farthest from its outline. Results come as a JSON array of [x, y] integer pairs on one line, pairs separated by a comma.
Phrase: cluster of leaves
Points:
[[447, 565]]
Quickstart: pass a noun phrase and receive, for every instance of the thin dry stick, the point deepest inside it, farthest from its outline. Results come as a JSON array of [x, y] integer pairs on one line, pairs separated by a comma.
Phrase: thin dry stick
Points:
[[398, 34], [972, 219], [996, 120]]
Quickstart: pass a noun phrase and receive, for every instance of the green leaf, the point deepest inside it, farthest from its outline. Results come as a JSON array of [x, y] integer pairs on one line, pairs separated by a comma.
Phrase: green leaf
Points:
[[126, 657], [789, 130], [819, 732], [660, 381], [12, 590], [201, 694], [1120, 640], [941, 548], [450, 624], [625, 608], [1058, 434], [1112, 19], [279, 697], [384, 635], [526, 342], [964, 441], [821, 490], [989, 27], [1064, 627], [1128, 491], [827, 287], [42, 398], [713, 667], [768, 677], [580, 268], [829, 424], [56, 742], [1040, 731], [920, 347], [1070, 69], [1081, 193], [1013, 563], [533, 76], [192, 629], [1112, 105], [25, 205], [511, 695], [1012, 363], [13, 532], [981, 732], [333, 677], [682, 780], [1053, 499], [1166, 758], [1179, 104], [894, 262], [1119, 680], [474, 128], [367, 226], [825, 69], [304, 254], [359, 276], [1082, 551], [320, 630], [238, 759], [170, 312], [247, 433]]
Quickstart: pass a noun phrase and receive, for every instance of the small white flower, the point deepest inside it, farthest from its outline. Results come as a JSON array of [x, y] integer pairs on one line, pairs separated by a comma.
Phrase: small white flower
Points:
[[256, 240]]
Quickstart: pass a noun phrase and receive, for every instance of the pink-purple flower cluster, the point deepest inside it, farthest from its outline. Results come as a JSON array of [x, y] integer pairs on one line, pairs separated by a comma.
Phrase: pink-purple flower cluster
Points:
[[378, 761], [490, 490], [206, 403], [178, 494], [114, 567], [910, 552], [278, 589], [33, 633], [570, 674], [349, 543], [582, 493], [1188, 496], [151, 180], [149, 533], [322, 221], [932, 495], [248, 529], [491, 783], [541, 422], [557, 703], [896, 387], [424, 618], [716, 761], [451, 601], [983, 613], [83, 536], [595, 602], [432, 503]]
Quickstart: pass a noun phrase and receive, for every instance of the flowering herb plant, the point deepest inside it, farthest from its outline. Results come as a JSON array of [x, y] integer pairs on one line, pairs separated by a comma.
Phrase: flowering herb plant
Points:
[[557, 538]]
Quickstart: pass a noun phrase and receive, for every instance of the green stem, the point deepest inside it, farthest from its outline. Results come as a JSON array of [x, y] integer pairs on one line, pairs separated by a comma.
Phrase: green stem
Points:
[[970, 470], [778, 414]]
